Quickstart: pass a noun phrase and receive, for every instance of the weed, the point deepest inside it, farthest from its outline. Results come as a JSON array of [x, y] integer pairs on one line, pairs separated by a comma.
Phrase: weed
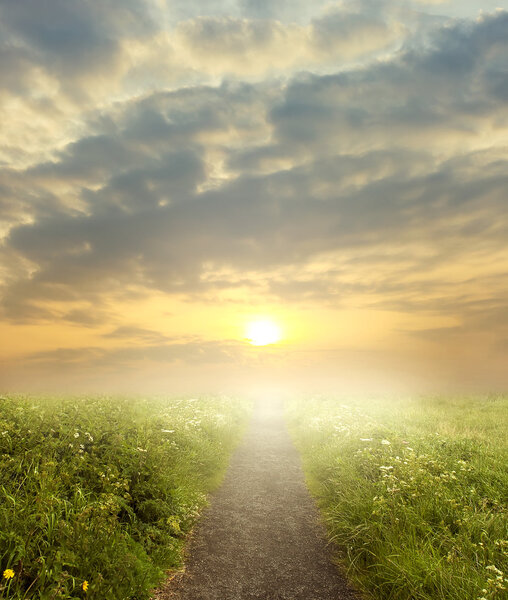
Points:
[[414, 492], [97, 494]]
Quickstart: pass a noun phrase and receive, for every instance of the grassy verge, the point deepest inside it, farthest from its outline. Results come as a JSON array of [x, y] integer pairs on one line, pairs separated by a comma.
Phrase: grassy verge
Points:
[[97, 494], [414, 492]]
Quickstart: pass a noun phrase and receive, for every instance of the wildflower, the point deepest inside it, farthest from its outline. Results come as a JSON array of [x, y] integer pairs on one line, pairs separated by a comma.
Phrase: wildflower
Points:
[[386, 443], [76, 434], [8, 574], [84, 585]]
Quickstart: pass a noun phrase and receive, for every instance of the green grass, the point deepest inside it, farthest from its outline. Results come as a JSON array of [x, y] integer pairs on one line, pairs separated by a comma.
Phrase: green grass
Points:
[[104, 489], [413, 491]]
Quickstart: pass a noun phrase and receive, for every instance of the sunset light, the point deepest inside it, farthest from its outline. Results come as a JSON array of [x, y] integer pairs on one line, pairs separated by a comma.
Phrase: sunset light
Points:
[[182, 181], [262, 333]]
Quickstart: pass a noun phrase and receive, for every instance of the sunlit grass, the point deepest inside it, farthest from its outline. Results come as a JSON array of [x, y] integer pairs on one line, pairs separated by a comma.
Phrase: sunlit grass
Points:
[[414, 492], [97, 494]]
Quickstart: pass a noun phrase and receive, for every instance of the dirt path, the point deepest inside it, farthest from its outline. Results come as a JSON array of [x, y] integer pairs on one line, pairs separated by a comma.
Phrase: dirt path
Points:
[[260, 537]]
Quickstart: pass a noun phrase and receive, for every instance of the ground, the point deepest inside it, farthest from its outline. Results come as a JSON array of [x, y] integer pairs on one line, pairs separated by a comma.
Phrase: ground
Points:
[[261, 537]]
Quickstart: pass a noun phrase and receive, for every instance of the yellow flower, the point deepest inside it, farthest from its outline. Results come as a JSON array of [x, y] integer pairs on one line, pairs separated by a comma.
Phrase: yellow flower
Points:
[[84, 585], [8, 574]]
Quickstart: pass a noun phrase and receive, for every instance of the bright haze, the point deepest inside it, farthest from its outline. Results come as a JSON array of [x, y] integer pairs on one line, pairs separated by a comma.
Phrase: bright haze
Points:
[[173, 171]]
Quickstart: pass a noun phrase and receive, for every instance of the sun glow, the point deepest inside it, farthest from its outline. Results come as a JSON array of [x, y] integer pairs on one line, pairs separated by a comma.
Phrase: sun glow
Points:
[[262, 333]]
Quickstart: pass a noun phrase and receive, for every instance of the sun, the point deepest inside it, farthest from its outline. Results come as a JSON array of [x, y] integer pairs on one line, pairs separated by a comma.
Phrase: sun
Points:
[[262, 333]]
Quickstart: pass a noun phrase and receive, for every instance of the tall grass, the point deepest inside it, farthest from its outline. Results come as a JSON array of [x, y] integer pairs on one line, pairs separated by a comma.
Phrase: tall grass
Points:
[[97, 494], [414, 492]]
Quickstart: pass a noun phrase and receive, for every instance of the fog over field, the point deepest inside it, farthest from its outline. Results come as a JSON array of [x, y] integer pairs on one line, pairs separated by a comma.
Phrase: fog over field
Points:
[[171, 172]]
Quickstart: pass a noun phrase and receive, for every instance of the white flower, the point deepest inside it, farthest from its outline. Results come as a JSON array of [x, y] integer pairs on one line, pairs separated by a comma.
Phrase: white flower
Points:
[[365, 439], [495, 569], [386, 443], [76, 434]]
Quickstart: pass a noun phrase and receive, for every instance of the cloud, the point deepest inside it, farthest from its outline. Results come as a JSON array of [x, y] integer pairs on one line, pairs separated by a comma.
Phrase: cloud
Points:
[[183, 352], [284, 10], [70, 37], [437, 335], [380, 183], [431, 2], [243, 46], [425, 97], [139, 334], [59, 60]]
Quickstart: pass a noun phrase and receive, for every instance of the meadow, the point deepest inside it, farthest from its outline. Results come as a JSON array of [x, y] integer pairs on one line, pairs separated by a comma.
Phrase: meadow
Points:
[[97, 494], [413, 492]]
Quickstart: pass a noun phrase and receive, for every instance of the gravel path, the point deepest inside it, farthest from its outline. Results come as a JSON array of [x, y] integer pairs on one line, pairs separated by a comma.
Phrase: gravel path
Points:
[[261, 536]]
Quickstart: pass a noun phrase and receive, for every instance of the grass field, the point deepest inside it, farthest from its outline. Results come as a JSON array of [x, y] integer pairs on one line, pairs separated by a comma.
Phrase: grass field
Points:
[[97, 494], [414, 492]]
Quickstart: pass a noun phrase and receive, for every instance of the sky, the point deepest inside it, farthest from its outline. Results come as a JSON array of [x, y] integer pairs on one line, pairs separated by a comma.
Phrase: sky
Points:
[[172, 170]]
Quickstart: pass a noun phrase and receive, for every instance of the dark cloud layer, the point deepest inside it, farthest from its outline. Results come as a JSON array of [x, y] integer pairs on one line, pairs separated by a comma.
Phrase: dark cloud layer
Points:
[[71, 37]]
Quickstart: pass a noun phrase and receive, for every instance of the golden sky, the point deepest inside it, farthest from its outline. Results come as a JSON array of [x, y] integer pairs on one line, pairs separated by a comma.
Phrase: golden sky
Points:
[[172, 171]]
